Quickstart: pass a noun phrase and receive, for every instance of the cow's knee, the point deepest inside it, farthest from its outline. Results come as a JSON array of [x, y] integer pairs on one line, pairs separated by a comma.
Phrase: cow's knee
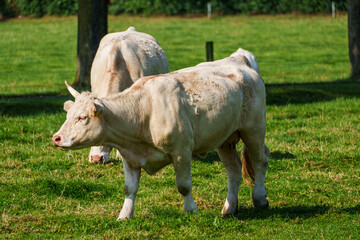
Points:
[[184, 190]]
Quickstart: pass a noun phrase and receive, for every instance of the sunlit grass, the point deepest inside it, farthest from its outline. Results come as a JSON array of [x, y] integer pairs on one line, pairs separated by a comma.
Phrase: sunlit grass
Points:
[[312, 130], [312, 181], [37, 55]]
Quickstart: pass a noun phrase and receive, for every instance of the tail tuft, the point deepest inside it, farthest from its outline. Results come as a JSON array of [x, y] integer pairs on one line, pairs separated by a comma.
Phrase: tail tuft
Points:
[[247, 170]]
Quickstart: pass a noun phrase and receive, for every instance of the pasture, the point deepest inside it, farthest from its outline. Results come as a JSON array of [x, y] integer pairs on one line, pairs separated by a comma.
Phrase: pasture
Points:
[[313, 113]]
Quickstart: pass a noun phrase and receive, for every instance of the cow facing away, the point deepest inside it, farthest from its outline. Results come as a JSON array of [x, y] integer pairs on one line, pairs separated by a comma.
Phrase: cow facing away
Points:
[[120, 60], [250, 56], [164, 119]]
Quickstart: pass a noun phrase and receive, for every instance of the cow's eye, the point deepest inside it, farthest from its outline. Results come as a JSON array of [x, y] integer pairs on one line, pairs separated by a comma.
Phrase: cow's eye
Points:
[[81, 118]]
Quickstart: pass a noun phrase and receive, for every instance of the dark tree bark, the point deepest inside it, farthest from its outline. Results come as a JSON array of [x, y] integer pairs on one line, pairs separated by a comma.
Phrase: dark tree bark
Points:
[[354, 37], [92, 26]]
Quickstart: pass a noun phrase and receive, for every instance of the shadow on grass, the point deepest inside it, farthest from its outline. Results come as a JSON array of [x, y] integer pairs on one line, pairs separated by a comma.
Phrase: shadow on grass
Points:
[[73, 189], [280, 156], [289, 212], [282, 94], [277, 94], [354, 210], [32, 106], [212, 157], [292, 212]]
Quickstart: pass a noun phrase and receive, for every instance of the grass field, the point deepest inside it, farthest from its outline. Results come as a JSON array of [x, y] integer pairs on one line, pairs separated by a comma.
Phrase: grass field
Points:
[[37, 55], [312, 130]]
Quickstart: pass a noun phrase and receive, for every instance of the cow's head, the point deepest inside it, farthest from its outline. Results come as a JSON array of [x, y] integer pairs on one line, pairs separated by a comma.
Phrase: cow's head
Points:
[[84, 124]]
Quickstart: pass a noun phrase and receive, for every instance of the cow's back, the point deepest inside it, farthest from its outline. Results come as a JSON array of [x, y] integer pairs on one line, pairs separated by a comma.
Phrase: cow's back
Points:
[[222, 96], [216, 99], [124, 57]]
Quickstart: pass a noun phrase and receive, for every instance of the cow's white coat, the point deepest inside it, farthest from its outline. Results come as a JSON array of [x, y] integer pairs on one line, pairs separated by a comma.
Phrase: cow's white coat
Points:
[[121, 59], [164, 119]]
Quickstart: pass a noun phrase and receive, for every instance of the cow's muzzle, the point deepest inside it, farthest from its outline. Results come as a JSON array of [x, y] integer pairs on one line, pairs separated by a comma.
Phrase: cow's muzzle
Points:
[[97, 159], [63, 144], [56, 139]]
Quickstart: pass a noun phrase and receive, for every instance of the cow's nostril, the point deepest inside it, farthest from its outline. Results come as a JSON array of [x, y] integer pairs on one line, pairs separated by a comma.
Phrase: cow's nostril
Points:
[[56, 139], [97, 159]]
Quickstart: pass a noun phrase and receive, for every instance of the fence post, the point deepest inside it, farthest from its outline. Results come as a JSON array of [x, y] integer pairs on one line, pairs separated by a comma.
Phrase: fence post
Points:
[[209, 10], [209, 51]]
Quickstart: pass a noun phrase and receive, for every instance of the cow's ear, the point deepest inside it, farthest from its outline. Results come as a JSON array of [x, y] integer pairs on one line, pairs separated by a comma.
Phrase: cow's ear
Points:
[[247, 62], [97, 109], [67, 105]]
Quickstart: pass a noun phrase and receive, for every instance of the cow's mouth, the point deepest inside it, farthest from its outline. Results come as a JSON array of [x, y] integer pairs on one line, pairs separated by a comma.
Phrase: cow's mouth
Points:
[[72, 147], [63, 148]]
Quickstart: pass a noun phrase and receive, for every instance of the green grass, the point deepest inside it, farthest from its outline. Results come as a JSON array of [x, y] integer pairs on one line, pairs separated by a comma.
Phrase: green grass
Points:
[[312, 130], [37, 55]]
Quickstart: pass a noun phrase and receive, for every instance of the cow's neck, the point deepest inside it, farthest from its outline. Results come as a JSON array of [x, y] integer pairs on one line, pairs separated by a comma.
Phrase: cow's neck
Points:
[[125, 117]]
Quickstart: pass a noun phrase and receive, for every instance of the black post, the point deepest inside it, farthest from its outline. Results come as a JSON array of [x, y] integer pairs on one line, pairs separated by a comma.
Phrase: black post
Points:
[[92, 26], [209, 51], [354, 37]]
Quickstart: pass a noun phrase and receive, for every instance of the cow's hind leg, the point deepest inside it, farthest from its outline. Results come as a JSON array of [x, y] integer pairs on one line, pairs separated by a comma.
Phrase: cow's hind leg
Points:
[[256, 154], [232, 164], [132, 178], [182, 166]]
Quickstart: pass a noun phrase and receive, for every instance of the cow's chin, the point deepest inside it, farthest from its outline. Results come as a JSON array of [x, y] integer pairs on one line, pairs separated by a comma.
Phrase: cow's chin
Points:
[[66, 148], [74, 146], [63, 148]]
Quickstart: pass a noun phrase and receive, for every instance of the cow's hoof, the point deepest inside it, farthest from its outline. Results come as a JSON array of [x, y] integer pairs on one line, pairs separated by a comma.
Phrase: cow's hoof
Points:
[[229, 209], [122, 218], [125, 216], [191, 210], [263, 204], [227, 214]]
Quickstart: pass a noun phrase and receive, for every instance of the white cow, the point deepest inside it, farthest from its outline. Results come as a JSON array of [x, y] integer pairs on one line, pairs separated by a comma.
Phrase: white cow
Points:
[[250, 56], [120, 60], [164, 119]]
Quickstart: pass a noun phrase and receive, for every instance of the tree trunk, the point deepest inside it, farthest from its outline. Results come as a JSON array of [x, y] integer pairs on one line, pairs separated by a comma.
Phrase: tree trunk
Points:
[[92, 26], [354, 37]]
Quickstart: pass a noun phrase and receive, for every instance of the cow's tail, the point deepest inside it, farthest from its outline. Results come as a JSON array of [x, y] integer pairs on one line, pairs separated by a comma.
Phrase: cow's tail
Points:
[[247, 170]]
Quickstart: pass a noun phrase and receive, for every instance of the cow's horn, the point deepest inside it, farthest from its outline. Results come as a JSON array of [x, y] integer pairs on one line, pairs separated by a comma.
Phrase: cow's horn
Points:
[[72, 91]]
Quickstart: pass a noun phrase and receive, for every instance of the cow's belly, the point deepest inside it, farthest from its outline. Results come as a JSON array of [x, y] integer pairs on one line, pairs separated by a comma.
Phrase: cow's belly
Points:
[[212, 141], [152, 166], [212, 133], [149, 158]]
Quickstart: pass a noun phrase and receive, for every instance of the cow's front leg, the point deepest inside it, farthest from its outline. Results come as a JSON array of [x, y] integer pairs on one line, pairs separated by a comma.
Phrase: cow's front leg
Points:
[[182, 167], [132, 178]]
